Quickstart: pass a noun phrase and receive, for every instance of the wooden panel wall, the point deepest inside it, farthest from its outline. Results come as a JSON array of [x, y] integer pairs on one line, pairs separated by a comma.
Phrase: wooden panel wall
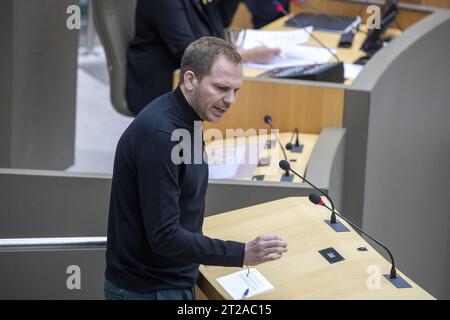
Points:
[[291, 105]]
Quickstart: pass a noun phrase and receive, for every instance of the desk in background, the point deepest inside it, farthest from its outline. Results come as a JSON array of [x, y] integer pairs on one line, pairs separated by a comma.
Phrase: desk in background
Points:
[[329, 39], [272, 172]]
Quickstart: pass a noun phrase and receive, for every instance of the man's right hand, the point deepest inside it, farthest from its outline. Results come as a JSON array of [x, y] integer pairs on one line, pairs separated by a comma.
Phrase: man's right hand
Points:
[[264, 248], [262, 55]]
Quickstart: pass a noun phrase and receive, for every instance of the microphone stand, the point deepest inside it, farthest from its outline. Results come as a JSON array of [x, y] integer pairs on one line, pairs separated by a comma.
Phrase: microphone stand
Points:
[[395, 279], [269, 143], [297, 147], [333, 223], [286, 177]]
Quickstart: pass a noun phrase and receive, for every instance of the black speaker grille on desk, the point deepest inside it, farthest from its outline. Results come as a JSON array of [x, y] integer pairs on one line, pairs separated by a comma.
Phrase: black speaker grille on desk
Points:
[[328, 72]]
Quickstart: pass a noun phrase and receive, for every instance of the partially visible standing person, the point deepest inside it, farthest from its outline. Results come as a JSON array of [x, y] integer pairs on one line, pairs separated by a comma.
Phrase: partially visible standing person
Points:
[[265, 11], [164, 28], [157, 205]]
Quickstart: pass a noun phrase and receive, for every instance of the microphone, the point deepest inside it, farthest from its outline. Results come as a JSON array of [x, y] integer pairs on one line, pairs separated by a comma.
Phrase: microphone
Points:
[[298, 148], [289, 144], [281, 9], [286, 176], [317, 200], [395, 279], [287, 167], [268, 120]]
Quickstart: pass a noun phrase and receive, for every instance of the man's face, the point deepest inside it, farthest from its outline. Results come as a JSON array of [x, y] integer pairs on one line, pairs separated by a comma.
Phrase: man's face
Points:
[[215, 93]]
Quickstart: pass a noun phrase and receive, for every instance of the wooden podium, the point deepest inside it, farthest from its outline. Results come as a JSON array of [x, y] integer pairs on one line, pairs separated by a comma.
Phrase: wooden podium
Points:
[[302, 272]]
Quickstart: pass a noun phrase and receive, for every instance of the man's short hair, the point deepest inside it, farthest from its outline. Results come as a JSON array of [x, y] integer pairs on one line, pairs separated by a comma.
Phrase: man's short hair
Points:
[[201, 54]]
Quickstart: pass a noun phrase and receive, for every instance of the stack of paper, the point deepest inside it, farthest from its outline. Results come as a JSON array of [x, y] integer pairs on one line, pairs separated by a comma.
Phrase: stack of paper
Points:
[[289, 42], [294, 56], [251, 38], [236, 284]]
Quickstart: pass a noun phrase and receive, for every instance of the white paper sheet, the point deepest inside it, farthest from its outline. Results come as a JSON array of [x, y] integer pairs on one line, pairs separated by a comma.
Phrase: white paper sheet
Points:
[[237, 283], [295, 55], [251, 38], [351, 71]]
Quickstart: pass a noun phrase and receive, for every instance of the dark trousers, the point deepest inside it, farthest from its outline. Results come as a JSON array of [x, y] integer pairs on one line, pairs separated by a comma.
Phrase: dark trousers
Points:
[[113, 292]]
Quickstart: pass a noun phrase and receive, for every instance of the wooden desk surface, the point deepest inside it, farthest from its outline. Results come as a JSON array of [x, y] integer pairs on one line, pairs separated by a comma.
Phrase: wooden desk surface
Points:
[[298, 161], [302, 273]]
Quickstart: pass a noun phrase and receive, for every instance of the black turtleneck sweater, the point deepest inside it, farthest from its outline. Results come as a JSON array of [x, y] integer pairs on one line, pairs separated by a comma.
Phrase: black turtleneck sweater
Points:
[[157, 207]]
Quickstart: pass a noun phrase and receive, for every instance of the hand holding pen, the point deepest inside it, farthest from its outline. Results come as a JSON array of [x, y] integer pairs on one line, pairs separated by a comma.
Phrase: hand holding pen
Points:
[[261, 55]]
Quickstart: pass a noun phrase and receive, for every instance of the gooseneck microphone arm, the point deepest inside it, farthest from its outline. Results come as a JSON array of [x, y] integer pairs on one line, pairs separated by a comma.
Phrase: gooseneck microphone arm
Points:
[[286, 166], [295, 134], [286, 172], [297, 140], [281, 9], [292, 137], [285, 157], [314, 198], [268, 120]]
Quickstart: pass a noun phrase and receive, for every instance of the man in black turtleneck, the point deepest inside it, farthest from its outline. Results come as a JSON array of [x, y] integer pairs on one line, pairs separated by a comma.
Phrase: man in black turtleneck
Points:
[[155, 242]]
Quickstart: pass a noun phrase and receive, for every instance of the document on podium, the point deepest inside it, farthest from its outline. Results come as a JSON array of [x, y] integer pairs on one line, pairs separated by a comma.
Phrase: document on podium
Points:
[[244, 284], [293, 51], [294, 56], [251, 38]]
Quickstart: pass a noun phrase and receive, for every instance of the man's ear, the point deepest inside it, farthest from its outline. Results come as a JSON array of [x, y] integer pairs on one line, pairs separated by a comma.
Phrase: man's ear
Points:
[[189, 80]]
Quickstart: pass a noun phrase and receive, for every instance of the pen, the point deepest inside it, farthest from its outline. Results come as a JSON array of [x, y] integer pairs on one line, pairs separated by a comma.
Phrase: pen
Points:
[[245, 294]]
